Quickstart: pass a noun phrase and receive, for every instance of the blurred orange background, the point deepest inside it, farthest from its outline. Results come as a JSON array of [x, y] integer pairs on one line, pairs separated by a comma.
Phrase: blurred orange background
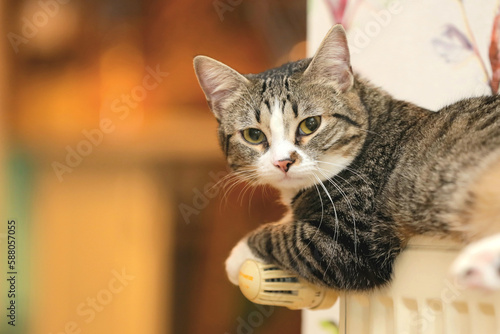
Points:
[[108, 160]]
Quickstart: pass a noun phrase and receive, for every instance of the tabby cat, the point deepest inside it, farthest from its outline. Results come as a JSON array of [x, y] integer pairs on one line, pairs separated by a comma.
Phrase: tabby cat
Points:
[[359, 171]]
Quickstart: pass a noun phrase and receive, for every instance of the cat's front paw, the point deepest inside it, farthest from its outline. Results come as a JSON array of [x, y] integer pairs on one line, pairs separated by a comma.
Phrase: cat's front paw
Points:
[[478, 266], [240, 253]]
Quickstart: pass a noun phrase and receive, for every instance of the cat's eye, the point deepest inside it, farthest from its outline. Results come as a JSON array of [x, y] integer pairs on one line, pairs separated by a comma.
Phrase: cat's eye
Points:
[[254, 136], [309, 125]]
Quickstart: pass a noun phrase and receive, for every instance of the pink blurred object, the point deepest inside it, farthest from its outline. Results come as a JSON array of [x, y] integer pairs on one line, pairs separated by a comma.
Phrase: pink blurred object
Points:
[[337, 9], [494, 54]]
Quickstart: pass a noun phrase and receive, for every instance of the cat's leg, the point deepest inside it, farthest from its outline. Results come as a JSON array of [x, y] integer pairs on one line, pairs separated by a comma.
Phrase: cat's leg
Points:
[[242, 252], [246, 249], [478, 265], [320, 253], [277, 243]]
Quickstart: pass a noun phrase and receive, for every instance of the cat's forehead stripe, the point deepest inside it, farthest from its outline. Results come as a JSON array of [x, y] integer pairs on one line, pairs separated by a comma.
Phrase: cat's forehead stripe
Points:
[[286, 84], [295, 109], [226, 144], [257, 114], [264, 86], [268, 105]]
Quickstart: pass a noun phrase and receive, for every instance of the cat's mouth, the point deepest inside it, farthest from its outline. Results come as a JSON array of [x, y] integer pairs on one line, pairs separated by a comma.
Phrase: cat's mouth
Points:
[[288, 180], [288, 176]]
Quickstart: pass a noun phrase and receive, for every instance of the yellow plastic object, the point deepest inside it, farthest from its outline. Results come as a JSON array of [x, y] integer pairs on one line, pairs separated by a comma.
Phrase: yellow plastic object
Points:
[[269, 285]]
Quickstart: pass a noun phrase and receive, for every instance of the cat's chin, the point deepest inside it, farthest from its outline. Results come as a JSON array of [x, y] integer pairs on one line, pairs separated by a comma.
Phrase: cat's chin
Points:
[[290, 184], [289, 190]]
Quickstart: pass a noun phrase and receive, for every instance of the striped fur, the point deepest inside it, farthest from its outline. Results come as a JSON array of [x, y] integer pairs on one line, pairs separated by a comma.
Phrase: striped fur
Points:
[[377, 172]]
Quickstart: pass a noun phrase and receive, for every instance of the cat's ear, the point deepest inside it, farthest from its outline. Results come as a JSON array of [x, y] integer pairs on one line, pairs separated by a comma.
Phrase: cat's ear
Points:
[[331, 63], [218, 81]]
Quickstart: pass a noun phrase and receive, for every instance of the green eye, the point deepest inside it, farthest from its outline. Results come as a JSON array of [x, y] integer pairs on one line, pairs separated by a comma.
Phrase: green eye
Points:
[[309, 125], [254, 136]]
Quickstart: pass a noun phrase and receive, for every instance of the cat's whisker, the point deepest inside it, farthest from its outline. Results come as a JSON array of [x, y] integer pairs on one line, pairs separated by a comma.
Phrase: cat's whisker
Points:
[[230, 186], [225, 181], [351, 187], [352, 170], [250, 196], [348, 204], [329, 197], [247, 176], [265, 191], [222, 181], [249, 185], [336, 219], [234, 182], [237, 178], [325, 172], [346, 168], [320, 222]]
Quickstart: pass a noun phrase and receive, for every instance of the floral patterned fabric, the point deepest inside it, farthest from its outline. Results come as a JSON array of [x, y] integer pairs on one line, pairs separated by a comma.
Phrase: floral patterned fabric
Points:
[[426, 51]]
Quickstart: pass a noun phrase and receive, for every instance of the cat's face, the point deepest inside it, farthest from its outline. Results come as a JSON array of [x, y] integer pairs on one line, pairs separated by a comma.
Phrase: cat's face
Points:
[[292, 126]]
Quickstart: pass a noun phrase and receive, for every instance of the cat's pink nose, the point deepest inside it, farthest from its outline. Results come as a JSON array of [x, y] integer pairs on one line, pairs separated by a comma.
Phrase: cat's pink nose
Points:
[[284, 164]]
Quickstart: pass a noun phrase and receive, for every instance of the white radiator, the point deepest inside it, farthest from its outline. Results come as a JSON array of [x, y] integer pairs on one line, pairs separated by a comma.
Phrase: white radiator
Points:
[[422, 299]]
